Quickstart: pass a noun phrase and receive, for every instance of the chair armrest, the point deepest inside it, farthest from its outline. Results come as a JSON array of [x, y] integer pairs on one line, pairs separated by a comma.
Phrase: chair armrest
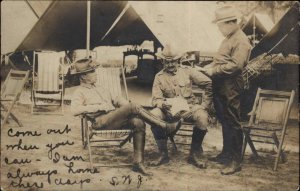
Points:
[[148, 107], [91, 115]]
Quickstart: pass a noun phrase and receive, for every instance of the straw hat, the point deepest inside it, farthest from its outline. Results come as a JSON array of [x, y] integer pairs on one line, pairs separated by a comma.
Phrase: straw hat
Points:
[[83, 66], [226, 13]]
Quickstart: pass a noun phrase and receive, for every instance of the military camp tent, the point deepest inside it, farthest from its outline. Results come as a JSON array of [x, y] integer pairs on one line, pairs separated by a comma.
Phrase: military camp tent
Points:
[[186, 25], [283, 37]]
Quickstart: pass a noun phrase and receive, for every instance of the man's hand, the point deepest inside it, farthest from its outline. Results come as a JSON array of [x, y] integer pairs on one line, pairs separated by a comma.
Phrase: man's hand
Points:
[[166, 106], [207, 71]]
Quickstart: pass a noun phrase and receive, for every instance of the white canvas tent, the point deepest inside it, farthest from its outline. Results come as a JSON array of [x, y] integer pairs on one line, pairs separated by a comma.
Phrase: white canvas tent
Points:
[[17, 19], [185, 24]]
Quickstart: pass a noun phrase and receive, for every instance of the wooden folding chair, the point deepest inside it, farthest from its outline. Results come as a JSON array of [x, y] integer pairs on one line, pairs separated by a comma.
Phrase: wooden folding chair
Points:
[[268, 120], [10, 93], [47, 82], [109, 78]]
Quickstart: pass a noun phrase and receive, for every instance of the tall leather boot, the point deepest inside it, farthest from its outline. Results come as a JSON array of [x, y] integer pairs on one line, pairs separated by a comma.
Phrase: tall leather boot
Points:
[[195, 151], [138, 147], [235, 164], [163, 151], [171, 128]]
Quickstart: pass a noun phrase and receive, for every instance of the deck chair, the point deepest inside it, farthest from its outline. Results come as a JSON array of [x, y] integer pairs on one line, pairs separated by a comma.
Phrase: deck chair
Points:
[[109, 78], [268, 121], [10, 93], [47, 82]]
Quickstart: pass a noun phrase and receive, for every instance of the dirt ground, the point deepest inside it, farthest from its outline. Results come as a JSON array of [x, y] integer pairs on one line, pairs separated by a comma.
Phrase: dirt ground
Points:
[[178, 175]]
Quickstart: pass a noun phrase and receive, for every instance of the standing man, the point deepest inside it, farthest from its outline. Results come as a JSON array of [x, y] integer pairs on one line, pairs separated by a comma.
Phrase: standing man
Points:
[[174, 82], [226, 72], [116, 113]]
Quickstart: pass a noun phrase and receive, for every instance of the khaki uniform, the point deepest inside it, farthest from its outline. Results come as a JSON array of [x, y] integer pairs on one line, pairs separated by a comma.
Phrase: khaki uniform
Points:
[[227, 68], [168, 85]]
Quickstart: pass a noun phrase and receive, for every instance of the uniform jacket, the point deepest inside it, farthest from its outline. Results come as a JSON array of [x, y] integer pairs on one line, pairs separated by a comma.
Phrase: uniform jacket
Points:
[[168, 85]]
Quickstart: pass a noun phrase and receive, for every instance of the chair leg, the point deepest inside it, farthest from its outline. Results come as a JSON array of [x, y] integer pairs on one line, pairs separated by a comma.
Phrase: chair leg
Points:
[[85, 133], [16, 119], [8, 112], [82, 130], [248, 139], [276, 141], [128, 138], [244, 145], [173, 144], [89, 147]]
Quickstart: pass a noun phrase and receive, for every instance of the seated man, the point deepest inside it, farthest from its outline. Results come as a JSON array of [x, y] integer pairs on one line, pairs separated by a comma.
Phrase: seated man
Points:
[[175, 83], [117, 112]]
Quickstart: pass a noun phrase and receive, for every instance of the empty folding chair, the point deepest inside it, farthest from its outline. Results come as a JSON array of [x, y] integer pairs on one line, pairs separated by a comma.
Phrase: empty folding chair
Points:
[[47, 81], [268, 121], [10, 93]]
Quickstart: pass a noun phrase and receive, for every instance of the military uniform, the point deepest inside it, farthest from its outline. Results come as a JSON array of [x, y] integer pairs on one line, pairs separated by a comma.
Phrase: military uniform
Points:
[[179, 84], [168, 85], [227, 78]]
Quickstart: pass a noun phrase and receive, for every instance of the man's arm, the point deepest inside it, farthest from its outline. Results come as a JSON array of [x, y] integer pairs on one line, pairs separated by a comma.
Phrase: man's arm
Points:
[[234, 63], [157, 95], [205, 83], [78, 105]]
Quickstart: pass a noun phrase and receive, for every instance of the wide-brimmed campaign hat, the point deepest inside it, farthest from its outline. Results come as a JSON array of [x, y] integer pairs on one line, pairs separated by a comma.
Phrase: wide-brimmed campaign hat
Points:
[[226, 13], [168, 53], [82, 66]]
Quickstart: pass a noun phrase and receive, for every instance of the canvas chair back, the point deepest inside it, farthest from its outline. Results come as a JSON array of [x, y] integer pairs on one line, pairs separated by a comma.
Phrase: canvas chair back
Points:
[[109, 78], [10, 93], [13, 84], [48, 71], [271, 107], [47, 82]]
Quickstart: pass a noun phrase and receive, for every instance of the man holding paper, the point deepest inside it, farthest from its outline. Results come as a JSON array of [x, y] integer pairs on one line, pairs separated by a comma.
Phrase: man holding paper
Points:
[[226, 72], [173, 98]]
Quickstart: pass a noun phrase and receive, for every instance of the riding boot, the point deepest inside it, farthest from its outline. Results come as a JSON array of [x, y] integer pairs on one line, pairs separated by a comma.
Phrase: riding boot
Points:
[[163, 151], [171, 128], [195, 151], [235, 164], [138, 147]]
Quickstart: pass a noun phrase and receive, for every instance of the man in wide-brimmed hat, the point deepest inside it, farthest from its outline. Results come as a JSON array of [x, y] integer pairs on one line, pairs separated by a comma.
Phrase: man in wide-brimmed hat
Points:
[[117, 113], [172, 88], [226, 72]]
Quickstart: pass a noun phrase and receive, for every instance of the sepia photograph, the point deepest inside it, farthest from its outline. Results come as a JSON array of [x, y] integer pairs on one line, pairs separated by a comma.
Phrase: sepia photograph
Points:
[[149, 95]]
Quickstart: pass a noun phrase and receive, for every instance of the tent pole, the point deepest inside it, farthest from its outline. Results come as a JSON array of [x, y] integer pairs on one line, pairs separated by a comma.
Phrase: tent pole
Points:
[[88, 27], [254, 30]]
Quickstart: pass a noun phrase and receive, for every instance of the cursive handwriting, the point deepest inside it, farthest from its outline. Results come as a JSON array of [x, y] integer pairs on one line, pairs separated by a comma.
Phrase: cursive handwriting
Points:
[[58, 131], [125, 180], [60, 181], [57, 157], [51, 147], [16, 161], [20, 175], [75, 171], [19, 146], [20, 184], [11, 133]]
